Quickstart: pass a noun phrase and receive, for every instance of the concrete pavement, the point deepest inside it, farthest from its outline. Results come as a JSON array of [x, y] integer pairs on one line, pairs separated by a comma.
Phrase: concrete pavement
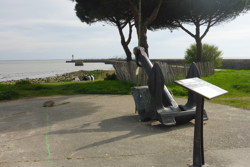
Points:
[[104, 131]]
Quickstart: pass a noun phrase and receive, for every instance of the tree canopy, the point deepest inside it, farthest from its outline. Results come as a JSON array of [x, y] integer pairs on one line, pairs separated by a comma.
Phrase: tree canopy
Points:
[[200, 13], [145, 12], [121, 13], [160, 14], [112, 12]]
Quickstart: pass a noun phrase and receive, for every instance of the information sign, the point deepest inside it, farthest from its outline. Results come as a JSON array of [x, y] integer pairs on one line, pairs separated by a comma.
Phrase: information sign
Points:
[[203, 90], [201, 87]]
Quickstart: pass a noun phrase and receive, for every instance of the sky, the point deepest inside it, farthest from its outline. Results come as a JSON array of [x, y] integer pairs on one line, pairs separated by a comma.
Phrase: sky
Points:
[[50, 29]]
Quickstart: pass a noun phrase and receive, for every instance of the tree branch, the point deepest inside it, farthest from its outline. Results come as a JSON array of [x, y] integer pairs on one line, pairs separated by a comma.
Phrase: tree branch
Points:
[[124, 24], [134, 10], [112, 19], [154, 14], [207, 29], [130, 32], [186, 30]]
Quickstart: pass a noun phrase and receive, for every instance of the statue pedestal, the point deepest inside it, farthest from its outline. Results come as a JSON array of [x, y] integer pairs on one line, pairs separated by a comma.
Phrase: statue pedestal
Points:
[[142, 100]]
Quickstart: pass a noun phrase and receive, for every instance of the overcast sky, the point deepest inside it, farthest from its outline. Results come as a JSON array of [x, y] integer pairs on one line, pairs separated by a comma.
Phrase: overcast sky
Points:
[[49, 29]]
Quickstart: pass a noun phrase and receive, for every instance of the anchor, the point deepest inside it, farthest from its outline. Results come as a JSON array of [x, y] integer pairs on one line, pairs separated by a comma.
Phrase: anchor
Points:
[[163, 107]]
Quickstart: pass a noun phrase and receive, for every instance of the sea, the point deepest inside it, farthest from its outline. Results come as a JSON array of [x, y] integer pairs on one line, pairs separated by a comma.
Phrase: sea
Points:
[[16, 70]]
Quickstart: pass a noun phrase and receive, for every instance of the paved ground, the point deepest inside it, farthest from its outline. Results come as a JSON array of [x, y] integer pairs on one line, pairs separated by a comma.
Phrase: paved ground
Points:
[[103, 131]]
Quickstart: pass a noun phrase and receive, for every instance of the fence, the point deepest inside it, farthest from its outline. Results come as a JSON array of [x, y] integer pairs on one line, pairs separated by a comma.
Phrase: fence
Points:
[[130, 72]]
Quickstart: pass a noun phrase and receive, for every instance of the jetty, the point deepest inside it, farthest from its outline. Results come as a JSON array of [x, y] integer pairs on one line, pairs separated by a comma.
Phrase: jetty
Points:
[[106, 61], [110, 61]]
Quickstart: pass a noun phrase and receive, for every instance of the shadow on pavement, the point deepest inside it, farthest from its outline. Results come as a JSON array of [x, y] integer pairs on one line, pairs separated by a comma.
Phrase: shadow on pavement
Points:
[[128, 123], [29, 114]]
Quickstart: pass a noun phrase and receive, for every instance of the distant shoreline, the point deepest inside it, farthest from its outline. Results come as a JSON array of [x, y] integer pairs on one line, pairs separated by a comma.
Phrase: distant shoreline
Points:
[[34, 60], [63, 77], [16, 70], [165, 58]]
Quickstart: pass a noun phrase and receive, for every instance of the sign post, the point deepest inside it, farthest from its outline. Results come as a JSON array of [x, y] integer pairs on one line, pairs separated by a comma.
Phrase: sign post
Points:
[[203, 90]]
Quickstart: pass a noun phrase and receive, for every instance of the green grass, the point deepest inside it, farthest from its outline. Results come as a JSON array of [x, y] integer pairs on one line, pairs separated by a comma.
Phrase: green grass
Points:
[[27, 89], [236, 82]]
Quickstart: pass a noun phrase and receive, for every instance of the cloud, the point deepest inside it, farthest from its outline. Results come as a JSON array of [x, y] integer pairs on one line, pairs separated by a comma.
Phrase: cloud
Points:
[[20, 9], [47, 22], [25, 41], [51, 27], [240, 33]]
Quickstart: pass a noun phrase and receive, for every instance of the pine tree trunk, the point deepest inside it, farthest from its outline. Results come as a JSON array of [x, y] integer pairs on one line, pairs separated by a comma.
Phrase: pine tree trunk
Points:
[[142, 37], [199, 49], [127, 51], [198, 43], [124, 44]]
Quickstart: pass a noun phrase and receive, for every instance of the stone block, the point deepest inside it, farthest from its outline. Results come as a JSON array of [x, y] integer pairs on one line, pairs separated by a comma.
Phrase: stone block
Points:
[[142, 100]]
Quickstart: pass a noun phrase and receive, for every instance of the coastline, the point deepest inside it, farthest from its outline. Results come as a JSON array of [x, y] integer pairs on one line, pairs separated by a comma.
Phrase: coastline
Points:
[[98, 74]]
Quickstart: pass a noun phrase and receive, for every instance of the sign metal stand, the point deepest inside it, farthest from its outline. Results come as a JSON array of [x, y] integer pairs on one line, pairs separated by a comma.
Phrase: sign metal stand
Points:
[[203, 90]]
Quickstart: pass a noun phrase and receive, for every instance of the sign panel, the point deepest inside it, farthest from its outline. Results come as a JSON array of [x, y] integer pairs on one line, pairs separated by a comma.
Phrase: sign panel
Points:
[[201, 87]]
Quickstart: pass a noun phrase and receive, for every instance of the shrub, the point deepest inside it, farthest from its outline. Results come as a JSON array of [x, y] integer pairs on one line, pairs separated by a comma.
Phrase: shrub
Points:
[[8, 95], [179, 91], [23, 82], [110, 77], [209, 53], [39, 87], [242, 87]]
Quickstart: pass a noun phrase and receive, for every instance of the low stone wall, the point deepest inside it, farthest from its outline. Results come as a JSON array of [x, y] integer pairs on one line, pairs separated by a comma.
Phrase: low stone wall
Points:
[[226, 63], [236, 63]]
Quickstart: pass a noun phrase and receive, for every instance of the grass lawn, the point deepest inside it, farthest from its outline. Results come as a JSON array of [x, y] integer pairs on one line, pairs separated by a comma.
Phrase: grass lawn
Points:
[[27, 89], [236, 82]]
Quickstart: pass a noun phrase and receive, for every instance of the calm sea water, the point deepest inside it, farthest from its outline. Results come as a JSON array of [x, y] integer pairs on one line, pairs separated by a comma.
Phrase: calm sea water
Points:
[[15, 70]]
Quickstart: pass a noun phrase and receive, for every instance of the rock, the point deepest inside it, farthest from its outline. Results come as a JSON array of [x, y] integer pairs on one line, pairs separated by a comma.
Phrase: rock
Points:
[[49, 103]]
